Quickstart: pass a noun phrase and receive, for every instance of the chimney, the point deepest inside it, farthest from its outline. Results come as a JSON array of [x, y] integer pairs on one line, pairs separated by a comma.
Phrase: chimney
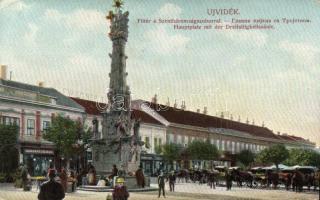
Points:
[[253, 122], [3, 71], [198, 110], [231, 117], [41, 84], [278, 132], [183, 105], [239, 119], [205, 110], [222, 116], [168, 102], [247, 121], [175, 105], [154, 99], [263, 124]]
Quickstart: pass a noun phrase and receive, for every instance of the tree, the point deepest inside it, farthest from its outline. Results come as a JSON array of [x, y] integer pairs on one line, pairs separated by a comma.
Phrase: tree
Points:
[[274, 154], [65, 134], [8, 150], [307, 157], [171, 152], [246, 157], [200, 150]]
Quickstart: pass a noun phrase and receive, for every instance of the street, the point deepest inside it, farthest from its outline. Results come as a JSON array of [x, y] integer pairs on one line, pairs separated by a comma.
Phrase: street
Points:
[[184, 191]]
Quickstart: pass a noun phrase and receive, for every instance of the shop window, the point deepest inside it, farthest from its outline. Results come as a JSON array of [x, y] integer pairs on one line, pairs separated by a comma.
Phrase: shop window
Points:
[[30, 126]]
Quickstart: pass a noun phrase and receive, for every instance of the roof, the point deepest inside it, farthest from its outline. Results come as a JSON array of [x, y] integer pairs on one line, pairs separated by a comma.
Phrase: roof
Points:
[[184, 117], [137, 114], [61, 99], [294, 139], [96, 108], [90, 107]]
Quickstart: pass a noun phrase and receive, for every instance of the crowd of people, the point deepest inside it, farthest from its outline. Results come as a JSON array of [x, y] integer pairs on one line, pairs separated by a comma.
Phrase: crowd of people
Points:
[[59, 182]]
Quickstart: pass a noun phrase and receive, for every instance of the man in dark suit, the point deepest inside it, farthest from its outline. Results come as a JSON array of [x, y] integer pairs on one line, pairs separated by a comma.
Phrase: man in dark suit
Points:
[[161, 184], [172, 181], [51, 190]]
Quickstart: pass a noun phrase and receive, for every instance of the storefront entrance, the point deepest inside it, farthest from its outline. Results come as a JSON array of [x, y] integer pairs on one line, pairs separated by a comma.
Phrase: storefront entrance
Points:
[[37, 161]]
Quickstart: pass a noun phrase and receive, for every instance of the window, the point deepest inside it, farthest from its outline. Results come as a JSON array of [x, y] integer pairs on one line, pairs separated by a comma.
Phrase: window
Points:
[[30, 126], [10, 120], [222, 145], [171, 138], [218, 144], [179, 139], [155, 143], [233, 148], [45, 126], [160, 141], [227, 146], [147, 142], [247, 146], [186, 141], [238, 147]]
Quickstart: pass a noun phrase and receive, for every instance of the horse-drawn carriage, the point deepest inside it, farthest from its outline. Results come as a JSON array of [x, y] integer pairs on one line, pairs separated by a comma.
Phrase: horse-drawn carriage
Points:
[[304, 176], [295, 177]]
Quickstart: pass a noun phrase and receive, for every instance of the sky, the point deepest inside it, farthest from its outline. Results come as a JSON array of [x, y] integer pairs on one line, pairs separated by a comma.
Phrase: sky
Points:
[[269, 76]]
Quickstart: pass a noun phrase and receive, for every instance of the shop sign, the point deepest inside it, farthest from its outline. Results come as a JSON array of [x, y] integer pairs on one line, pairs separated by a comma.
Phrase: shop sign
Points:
[[38, 151]]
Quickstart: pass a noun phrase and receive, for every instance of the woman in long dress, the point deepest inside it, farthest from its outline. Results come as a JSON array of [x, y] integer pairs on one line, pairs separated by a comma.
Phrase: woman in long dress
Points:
[[64, 179]]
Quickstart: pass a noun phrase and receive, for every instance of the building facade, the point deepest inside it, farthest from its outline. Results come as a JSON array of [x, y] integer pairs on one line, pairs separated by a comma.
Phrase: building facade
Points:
[[31, 108], [230, 137]]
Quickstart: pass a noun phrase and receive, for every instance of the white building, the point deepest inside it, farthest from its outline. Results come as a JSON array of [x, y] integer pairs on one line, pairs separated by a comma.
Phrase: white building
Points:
[[31, 108]]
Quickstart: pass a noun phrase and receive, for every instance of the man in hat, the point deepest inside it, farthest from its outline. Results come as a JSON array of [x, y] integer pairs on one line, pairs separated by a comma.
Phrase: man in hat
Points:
[[161, 184], [51, 190], [120, 191], [172, 181]]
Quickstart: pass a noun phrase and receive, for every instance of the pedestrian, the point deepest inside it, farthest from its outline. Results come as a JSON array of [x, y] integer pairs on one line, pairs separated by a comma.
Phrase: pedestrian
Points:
[[172, 181], [51, 190], [228, 180], [64, 179], [211, 180], [120, 191], [161, 184], [140, 177]]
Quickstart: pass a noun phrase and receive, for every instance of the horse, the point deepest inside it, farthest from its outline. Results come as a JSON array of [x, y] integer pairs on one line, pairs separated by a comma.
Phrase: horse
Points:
[[297, 181], [182, 174], [242, 176], [285, 178], [272, 178]]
